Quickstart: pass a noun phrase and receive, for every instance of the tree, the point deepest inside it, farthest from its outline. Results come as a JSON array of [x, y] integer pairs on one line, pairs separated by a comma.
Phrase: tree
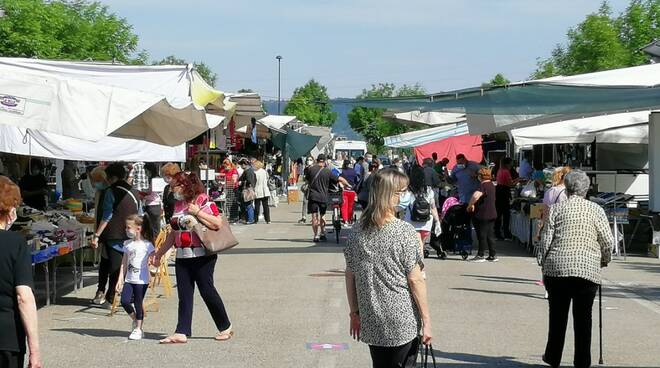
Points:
[[69, 30], [639, 25], [498, 80], [603, 42], [370, 122], [311, 105], [245, 90], [209, 76]]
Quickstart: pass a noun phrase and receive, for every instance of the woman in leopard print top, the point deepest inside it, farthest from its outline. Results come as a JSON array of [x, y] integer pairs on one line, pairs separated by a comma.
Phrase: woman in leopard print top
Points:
[[576, 242], [384, 283]]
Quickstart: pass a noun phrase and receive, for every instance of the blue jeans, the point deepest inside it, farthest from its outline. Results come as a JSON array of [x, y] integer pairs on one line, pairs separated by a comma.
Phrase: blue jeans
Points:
[[249, 211]]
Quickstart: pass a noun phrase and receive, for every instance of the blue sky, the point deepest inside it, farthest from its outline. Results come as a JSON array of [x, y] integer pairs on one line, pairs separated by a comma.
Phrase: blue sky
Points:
[[349, 44]]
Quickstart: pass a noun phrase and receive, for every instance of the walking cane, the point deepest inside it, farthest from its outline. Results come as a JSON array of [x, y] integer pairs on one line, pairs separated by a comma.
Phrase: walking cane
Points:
[[600, 319]]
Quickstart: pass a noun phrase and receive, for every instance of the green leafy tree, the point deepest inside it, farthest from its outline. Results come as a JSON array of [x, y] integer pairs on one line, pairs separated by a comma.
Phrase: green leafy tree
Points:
[[603, 41], [410, 91], [638, 26], [69, 30], [311, 105], [498, 80], [209, 76], [370, 122]]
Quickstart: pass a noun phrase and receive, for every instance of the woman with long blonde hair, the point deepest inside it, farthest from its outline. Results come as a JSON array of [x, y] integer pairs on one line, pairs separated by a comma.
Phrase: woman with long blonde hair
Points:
[[384, 283]]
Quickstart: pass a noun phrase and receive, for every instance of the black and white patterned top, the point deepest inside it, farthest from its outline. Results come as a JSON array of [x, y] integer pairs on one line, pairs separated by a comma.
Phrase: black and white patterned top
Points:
[[575, 239], [381, 261]]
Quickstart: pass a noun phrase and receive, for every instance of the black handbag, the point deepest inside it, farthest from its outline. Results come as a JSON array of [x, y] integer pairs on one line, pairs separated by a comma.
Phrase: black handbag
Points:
[[428, 350]]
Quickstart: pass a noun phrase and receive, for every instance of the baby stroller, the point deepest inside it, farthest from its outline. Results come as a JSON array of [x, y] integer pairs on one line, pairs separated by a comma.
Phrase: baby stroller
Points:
[[456, 229]]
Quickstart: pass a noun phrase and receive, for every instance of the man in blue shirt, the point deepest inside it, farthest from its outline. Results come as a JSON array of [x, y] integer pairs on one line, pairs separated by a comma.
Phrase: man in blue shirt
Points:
[[464, 175], [525, 171]]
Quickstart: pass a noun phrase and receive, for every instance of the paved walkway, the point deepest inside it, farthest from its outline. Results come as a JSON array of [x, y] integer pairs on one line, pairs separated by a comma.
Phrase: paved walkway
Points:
[[284, 292]]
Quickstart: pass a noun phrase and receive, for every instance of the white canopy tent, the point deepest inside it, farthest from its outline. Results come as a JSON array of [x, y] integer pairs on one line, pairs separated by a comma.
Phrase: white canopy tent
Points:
[[34, 143], [276, 122], [431, 118], [616, 128], [90, 100], [424, 136]]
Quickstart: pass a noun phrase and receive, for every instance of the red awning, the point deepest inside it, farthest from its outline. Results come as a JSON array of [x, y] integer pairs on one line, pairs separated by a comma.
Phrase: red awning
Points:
[[469, 145]]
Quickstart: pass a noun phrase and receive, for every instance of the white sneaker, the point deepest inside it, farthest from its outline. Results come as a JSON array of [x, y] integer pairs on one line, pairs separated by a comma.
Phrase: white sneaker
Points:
[[99, 299], [137, 334], [478, 259]]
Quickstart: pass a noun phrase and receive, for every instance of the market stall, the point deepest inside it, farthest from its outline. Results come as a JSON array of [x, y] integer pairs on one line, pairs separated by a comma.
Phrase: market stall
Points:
[[447, 141], [94, 112]]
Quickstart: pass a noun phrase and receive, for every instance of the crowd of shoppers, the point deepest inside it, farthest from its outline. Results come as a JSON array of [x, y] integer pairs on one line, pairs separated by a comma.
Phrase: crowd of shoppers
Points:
[[384, 254]]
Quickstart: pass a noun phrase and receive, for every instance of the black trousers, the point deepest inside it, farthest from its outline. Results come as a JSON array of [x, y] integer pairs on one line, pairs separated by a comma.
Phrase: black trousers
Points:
[[135, 293], [199, 270], [503, 206], [11, 359], [261, 202], [114, 264], [486, 236], [561, 291], [104, 273], [404, 356]]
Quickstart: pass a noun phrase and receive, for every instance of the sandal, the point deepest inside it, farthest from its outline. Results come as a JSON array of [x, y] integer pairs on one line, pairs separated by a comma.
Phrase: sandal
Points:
[[174, 339], [224, 335]]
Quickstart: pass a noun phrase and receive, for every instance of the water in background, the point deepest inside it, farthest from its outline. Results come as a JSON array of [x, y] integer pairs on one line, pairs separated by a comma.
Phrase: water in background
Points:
[[341, 127]]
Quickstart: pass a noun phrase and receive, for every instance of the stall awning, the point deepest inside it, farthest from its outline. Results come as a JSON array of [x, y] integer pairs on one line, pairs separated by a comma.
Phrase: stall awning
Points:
[[276, 122], [497, 109], [295, 144], [424, 136], [34, 143], [431, 118], [616, 128], [469, 145], [91, 100]]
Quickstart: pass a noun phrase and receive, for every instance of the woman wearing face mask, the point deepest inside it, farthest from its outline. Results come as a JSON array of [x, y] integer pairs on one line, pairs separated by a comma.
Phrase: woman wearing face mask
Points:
[[34, 186], [18, 311], [119, 202], [100, 183], [167, 172], [193, 266], [230, 173], [383, 277]]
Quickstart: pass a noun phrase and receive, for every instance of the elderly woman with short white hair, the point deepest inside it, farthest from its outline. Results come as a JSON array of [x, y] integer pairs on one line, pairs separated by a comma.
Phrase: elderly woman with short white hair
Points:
[[576, 242]]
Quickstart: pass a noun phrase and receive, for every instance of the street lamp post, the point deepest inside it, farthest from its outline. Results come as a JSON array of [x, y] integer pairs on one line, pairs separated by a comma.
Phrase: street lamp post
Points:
[[279, 90]]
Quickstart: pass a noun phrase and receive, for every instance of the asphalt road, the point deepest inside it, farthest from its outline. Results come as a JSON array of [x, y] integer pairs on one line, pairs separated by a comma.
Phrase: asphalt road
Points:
[[285, 296]]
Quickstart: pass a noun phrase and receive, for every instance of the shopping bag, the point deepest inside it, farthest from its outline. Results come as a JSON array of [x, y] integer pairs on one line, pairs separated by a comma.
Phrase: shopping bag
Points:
[[216, 241]]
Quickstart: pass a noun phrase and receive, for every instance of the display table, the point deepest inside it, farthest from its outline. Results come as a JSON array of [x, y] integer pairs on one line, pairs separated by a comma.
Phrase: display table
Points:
[[48, 259], [524, 229]]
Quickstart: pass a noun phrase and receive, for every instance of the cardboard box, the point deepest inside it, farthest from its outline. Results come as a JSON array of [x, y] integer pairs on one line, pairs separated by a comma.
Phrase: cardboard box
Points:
[[294, 195], [536, 211]]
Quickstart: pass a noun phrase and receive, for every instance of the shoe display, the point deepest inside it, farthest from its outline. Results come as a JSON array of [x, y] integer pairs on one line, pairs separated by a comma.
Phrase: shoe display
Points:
[[478, 259], [136, 334]]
